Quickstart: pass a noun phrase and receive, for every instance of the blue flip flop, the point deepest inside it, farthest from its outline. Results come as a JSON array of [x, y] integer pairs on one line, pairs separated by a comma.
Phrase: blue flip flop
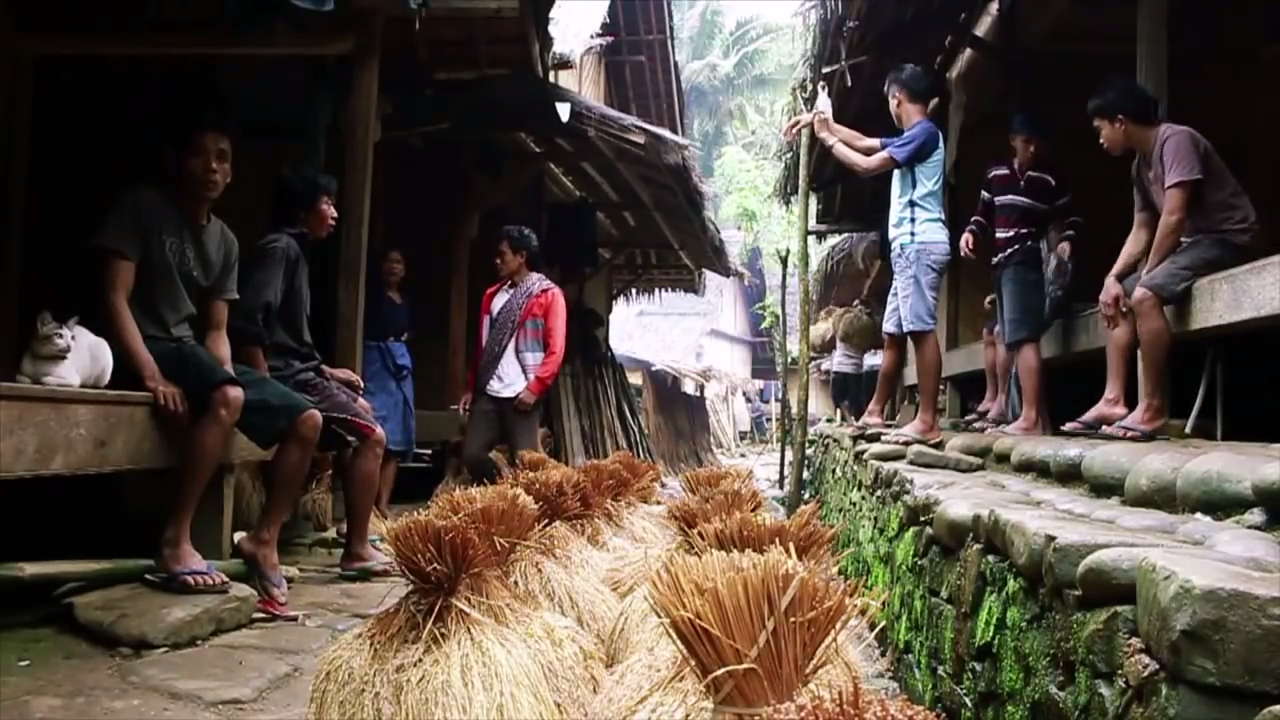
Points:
[[173, 582]]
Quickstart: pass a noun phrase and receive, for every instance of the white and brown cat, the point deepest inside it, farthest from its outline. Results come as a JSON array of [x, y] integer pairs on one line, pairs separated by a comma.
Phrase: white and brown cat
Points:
[[65, 355]]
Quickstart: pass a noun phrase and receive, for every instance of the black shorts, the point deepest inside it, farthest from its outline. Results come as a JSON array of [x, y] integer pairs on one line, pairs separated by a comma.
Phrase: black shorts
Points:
[[270, 409], [846, 391], [1020, 303], [1194, 259]]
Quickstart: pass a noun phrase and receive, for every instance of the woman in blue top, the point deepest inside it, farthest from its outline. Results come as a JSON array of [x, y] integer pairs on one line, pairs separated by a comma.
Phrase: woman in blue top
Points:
[[388, 370]]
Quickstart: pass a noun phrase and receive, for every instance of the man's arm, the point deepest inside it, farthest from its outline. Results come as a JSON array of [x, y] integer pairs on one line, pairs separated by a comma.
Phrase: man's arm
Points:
[[856, 140], [119, 286], [1173, 220], [553, 340], [980, 225], [264, 284], [1135, 246], [863, 165], [215, 335]]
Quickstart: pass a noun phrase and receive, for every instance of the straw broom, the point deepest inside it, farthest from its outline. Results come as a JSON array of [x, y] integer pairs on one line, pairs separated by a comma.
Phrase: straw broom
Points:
[[803, 535], [756, 627], [690, 511], [710, 480], [463, 642]]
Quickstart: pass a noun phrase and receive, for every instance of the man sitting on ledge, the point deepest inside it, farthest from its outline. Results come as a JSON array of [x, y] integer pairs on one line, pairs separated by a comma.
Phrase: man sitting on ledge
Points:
[[1190, 219]]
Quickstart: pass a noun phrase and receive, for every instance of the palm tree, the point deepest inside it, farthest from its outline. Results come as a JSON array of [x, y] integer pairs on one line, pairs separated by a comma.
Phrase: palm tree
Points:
[[734, 76]]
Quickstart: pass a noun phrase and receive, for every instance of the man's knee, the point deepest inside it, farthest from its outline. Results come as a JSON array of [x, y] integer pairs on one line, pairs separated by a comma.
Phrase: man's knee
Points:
[[227, 402], [308, 425], [378, 440], [1145, 302]]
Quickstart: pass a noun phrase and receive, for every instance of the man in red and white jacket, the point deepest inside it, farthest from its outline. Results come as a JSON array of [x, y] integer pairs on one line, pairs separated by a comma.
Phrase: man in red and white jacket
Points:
[[522, 331]]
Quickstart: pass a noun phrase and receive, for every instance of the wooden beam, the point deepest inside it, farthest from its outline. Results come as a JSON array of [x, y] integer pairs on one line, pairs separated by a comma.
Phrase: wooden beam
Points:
[[17, 98], [323, 44], [1152, 40], [353, 250], [541, 64]]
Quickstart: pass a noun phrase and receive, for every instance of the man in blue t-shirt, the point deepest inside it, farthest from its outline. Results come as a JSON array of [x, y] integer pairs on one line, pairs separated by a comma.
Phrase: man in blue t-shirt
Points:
[[920, 246]]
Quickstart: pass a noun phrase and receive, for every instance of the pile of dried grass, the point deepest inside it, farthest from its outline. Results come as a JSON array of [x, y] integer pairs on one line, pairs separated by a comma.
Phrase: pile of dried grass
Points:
[[858, 328], [850, 703], [465, 641], [756, 627], [710, 480], [803, 535], [690, 511]]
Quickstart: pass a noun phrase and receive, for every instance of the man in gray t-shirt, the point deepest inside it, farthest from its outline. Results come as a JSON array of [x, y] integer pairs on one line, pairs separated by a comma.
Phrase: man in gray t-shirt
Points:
[[1191, 218], [170, 274]]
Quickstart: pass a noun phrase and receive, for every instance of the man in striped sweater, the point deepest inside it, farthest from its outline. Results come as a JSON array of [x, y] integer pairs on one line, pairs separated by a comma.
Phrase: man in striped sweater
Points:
[[1021, 202]]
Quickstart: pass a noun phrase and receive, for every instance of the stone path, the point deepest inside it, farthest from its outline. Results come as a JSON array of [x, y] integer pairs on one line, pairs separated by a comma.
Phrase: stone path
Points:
[[1180, 540], [262, 671]]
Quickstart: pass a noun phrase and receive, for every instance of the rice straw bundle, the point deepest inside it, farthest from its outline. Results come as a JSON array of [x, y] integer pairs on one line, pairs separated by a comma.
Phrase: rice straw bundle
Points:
[[858, 329], [709, 480], [646, 477], [463, 642], [755, 626], [850, 703], [822, 331], [803, 535], [691, 511], [535, 461]]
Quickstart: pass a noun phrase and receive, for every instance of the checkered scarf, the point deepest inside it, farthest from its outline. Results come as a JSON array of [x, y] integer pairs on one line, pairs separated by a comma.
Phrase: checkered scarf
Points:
[[502, 329]]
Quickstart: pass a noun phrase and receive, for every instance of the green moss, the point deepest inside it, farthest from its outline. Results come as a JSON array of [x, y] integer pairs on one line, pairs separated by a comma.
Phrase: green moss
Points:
[[968, 634]]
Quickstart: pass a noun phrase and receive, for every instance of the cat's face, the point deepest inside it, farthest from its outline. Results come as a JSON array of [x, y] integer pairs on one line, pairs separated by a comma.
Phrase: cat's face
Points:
[[53, 339]]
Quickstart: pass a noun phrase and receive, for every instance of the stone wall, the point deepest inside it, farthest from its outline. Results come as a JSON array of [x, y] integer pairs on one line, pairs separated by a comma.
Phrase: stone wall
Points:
[[984, 615]]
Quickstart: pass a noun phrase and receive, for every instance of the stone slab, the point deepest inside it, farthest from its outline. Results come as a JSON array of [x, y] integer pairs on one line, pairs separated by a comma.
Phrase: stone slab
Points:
[[1221, 482], [292, 638], [1247, 543], [927, 457], [1106, 468], [213, 676], [1210, 623], [974, 444], [1110, 576], [137, 616], [1152, 482]]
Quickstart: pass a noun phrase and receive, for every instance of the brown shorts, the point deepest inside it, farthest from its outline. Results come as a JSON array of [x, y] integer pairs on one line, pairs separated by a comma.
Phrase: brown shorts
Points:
[[1171, 279], [346, 422]]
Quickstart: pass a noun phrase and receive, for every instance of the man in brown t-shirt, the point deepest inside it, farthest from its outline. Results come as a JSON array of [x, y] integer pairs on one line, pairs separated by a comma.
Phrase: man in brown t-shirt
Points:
[[1190, 219]]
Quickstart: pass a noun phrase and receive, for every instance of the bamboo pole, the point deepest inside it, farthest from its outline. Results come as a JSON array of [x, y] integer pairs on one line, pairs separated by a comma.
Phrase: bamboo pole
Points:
[[783, 357], [801, 429]]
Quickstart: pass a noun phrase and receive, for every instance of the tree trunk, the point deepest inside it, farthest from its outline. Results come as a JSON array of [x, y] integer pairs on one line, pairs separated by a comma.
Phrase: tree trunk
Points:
[[783, 360], [801, 428]]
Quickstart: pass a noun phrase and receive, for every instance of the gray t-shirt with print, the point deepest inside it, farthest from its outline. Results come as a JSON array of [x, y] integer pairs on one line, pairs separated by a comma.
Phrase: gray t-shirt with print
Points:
[[181, 266]]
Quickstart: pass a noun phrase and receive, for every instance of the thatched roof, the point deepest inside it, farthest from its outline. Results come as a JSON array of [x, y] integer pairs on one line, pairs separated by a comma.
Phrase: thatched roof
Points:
[[854, 44], [650, 90], [643, 179], [843, 269]]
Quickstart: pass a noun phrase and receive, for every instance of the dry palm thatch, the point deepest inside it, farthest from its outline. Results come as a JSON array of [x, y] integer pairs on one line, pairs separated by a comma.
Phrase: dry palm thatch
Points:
[[709, 480], [690, 511], [803, 535], [463, 642], [859, 329], [756, 627], [850, 703]]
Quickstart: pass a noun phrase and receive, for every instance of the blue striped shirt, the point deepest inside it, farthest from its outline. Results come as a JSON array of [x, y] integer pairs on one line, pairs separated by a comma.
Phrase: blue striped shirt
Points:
[[915, 200]]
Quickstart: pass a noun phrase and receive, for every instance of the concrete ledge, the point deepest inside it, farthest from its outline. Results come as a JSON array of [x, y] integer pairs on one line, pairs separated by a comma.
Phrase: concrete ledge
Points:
[[1235, 298]]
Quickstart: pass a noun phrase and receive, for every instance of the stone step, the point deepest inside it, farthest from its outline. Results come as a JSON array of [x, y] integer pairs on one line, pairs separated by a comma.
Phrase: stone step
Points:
[[1220, 479]]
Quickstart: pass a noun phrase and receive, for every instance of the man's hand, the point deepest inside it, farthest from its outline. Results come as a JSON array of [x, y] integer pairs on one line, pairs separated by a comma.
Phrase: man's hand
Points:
[[1064, 249], [525, 400], [966, 245], [1111, 302], [989, 302], [346, 377], [796, 124], [822, 127], [464, 405], [169, 398]]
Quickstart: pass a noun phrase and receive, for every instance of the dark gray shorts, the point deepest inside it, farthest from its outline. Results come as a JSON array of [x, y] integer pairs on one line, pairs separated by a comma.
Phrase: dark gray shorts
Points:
[[1171, 279], [1020, 303]]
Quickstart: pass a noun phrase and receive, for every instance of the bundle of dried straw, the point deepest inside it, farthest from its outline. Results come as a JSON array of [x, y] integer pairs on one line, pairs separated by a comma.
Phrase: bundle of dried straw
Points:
[[803, 535], [465, 641], [858, 328]]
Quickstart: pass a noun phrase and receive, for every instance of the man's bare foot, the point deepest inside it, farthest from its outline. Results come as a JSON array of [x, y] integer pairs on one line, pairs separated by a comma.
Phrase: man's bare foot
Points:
[[1021, 428], [1096, 417], [264, 568], [872, 420], [915, 432], [1141, 424], [188, 567]]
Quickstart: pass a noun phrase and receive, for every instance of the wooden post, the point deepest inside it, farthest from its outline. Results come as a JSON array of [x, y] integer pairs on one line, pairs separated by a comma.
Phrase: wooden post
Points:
[[360, 135], [16, 95], [801, 434], [783, 359], [1152, 72], [211, 526], [464, 232]]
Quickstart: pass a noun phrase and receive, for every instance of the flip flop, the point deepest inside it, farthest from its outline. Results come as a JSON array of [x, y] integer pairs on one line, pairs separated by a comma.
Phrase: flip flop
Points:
[[974, 417], [172, 582], [365, 571], [260, 580], [913, 438], [1137, 434], [378, 542], [1088, 428]]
